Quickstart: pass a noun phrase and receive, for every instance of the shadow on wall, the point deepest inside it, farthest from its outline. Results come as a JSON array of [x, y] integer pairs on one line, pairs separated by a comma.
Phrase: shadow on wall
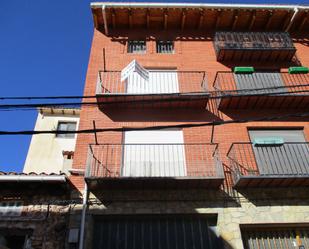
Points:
[[286, 115], [166, 115], [277, 196]]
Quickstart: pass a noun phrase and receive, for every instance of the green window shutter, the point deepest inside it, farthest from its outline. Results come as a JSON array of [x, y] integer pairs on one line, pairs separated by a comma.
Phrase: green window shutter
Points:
[[243, 70], [268, 141], [295, 70]]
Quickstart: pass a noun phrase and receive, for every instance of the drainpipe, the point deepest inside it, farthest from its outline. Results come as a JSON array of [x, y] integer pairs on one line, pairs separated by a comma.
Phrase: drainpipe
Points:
[[83, 218], [292, 19]]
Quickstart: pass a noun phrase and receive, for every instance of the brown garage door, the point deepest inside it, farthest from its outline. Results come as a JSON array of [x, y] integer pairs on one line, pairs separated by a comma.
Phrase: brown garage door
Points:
[[154, 232], [276, 238]]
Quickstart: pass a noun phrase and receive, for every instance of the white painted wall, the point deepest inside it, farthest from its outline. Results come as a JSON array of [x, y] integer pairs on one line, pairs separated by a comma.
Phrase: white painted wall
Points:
[[45, 150]]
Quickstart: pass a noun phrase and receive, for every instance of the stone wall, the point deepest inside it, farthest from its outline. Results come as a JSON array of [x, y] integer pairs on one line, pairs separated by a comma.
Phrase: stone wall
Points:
[[45, 224], [255, 206]]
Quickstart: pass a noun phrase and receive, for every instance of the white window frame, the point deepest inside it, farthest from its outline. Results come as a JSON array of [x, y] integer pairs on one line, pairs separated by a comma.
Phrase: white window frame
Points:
[[11, 208], [141, 47]]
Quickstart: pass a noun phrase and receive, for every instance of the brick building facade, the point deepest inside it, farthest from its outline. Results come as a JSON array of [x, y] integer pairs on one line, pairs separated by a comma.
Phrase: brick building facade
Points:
[[230, 168]]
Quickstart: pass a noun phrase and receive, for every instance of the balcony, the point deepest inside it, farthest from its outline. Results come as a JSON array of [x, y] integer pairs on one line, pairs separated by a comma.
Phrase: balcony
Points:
[[163, 89], [262, 90], [254, 46], [161, 166], [269, 165]]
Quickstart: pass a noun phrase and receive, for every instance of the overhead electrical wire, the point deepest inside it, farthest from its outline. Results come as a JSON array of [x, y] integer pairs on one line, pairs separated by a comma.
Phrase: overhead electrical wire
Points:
[[214, 93], [71, 104], [187, 125]]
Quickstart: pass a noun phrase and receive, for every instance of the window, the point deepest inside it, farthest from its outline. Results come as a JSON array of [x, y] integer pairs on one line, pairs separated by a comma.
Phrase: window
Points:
[[66, 126], [165, 47], [10, 208], [137, 47]]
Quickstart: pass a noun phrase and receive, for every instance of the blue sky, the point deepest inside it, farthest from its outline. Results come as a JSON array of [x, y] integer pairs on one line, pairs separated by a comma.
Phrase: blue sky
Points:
[[44, 50]]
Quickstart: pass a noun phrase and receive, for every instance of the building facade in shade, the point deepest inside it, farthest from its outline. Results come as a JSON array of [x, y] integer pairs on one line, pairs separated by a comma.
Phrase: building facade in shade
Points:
[[53, 153], [207, 147], [34, 210]]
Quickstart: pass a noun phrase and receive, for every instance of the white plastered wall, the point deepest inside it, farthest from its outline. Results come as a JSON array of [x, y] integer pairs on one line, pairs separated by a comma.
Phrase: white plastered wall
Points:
[[45, 150]]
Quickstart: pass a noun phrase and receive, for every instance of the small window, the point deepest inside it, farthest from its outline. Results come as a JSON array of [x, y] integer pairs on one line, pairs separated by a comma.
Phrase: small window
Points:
[[165, 47], [66, 126], [137, 47], [10, 208]]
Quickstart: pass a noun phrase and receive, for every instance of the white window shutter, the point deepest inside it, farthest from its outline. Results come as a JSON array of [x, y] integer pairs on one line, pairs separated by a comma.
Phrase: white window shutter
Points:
[[132, 67]]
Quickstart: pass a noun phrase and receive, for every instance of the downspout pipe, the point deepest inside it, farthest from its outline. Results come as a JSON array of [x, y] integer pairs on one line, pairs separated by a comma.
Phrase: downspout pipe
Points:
[[83, 218]]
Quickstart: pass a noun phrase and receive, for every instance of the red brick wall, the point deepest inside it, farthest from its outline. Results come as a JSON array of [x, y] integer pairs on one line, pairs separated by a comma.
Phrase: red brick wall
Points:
[[193, 52]]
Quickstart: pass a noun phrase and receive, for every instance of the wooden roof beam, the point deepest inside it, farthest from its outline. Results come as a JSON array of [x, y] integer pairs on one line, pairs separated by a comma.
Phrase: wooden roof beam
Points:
[[270, 15], [287, 19], [165, 18], [303, 21], [200, 23], [147, 18], [183, 19], [130, 18], [235, 17], [218, 18], [252, 21], [113, 18], [105, 20]]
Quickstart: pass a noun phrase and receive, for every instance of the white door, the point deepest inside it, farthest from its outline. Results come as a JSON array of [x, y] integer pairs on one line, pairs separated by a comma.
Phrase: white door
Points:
[[154, 153], [159, 81]]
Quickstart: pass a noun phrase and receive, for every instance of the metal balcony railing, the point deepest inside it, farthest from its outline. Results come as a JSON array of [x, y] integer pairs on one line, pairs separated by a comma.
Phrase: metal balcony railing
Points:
[[114, 161], [254, 46], [253, 40], [160, 82], [261, 82], [275, 160]]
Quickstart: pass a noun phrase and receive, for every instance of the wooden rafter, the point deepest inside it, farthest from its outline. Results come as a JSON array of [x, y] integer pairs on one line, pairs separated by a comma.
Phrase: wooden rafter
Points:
[[183, 19], [270, 15], [130, 18], [218, 18], [147, 18], [306, 15], [201, 21], [252, 20], [165, 18], [113, 18], [235, 19], [105, 20], [287, 19]]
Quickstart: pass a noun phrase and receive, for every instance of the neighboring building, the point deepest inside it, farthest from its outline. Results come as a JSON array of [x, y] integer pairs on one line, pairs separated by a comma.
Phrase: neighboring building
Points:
[[34, 211], [237, 185], [52, 153]]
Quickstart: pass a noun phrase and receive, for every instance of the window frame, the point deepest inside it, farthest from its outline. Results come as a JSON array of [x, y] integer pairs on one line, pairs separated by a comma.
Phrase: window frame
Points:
[[137, 43], [66, 135], [166, 43], [7, 209]]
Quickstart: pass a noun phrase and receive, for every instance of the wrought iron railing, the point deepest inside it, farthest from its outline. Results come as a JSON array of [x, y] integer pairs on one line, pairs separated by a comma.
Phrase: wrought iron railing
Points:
[[253, 41], [287, 159], [160, 82], [154, 161], [261, 82]]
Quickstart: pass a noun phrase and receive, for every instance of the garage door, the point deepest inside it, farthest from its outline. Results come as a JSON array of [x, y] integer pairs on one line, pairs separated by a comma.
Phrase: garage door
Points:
[[153, 232], [271, 238]]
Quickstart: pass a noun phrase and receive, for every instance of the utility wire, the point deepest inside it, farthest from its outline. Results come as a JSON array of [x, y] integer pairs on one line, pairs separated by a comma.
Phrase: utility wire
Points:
[[213, 93], [71, 104], [190, 125]]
